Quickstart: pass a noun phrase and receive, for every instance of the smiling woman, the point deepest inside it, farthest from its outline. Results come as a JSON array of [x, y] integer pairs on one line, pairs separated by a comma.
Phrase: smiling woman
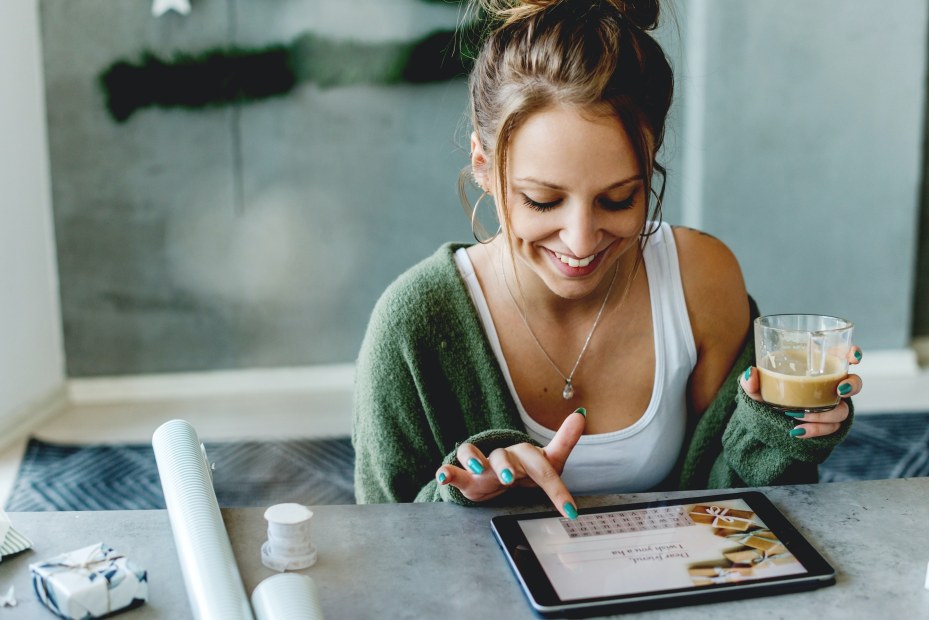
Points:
[[588, 347]]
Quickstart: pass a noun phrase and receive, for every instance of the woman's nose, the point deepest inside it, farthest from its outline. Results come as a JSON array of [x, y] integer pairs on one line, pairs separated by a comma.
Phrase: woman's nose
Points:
[[580, 231]]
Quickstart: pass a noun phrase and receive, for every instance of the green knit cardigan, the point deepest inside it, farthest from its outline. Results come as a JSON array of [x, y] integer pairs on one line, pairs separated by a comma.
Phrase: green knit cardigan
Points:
[[427, 381]]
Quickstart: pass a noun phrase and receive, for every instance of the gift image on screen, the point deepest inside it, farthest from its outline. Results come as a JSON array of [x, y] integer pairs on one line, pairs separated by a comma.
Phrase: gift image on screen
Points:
[[754, 552], [657, 548]]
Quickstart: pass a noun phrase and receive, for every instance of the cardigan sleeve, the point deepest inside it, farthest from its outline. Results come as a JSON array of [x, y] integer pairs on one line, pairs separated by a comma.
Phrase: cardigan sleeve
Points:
[[396, 447], [740, 442], [425, 382]]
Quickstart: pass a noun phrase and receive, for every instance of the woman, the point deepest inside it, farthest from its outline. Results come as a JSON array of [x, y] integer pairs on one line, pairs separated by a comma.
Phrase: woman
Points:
[[585, 325]]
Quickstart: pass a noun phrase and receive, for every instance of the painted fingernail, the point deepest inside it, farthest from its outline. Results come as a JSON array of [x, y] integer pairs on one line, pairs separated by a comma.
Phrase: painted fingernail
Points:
[[858, 355], [442, 477], [475, 466], [507, 476], [747, 374], [581, 411], [845, 388], [795, 414], [570, 510], [798, 432]]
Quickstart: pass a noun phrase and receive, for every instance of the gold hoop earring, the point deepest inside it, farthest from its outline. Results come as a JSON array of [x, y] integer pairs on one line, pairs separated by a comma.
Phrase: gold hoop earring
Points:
[[475, 224], [647, 230]]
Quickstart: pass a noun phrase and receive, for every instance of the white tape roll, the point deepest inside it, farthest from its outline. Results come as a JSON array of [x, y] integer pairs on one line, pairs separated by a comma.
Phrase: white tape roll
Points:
[[289, 596], [211, 575]]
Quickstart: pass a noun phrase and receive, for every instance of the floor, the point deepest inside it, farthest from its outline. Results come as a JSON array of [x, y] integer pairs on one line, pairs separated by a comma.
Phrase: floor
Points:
[[317, 415], [253, 417]]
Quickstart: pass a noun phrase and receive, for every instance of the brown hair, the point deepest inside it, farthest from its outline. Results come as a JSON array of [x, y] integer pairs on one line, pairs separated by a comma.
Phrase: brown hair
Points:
[[589, 54]]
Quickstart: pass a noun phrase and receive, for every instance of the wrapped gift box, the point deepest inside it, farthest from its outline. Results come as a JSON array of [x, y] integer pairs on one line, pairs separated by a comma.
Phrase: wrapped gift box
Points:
[[745, 555], [763, 540], [733, 570], [707, 575], [722, 517], [778, 554], [89, 583]]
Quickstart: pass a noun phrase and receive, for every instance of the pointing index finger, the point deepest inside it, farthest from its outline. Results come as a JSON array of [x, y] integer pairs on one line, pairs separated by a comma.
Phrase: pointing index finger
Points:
[[561, 445]]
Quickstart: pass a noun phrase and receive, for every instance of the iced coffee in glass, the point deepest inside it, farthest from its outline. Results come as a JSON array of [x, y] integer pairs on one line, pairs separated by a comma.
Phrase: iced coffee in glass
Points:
[[801, 360]]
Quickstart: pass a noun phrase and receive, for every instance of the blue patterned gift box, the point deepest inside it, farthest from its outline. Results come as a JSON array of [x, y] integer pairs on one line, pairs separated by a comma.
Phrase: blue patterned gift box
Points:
[[89, 583]]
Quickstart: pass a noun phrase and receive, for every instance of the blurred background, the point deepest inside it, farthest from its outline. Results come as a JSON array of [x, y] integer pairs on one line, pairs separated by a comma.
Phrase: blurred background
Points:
[[229, 189]]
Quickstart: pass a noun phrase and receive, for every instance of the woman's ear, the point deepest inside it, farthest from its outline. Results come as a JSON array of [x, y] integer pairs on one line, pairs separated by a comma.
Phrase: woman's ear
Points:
[[479, 163]]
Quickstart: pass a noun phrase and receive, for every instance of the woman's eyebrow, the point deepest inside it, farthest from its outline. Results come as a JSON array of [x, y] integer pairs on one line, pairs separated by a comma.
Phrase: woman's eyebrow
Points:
[[535, 181]]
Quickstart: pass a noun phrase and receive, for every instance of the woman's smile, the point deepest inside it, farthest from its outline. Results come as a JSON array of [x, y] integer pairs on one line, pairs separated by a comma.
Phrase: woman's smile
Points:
[[574, 267]]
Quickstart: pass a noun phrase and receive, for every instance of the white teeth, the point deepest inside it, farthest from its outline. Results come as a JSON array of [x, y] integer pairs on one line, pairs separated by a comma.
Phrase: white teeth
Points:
[[574, 262]]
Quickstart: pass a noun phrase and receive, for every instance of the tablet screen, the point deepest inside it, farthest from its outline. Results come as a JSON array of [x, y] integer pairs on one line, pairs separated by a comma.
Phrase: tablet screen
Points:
[[662, 548], [709, 547]]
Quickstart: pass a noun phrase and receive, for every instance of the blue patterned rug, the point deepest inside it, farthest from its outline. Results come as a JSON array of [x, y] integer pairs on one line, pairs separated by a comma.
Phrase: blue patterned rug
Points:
[[125, 477], [319, 471]]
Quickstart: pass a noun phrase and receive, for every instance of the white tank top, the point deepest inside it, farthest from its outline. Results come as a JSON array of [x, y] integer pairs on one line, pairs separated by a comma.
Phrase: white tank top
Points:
[[640, 456]]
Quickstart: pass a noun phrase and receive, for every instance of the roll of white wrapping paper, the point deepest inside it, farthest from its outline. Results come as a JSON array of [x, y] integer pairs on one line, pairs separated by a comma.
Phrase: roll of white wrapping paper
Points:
[[289, 596], [211, 575]]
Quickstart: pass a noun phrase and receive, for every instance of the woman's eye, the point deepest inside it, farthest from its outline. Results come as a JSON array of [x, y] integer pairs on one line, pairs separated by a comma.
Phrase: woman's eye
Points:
[[618, 205], [540, 206]]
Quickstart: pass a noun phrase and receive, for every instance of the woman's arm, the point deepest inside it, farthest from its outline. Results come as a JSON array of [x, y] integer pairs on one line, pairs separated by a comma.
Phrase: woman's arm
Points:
[[736, 440], [717, 304]]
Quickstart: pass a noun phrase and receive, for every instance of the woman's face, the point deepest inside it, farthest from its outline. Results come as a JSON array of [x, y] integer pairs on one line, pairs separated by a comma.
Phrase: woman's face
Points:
[[576, 198]]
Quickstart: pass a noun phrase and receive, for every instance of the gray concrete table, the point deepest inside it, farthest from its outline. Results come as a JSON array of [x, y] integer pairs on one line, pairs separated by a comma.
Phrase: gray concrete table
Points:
[[441, 561]]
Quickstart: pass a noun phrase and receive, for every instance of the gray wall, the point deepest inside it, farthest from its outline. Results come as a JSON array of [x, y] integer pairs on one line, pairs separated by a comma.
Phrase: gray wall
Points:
[[164, 266], [812, 154], [795, 137]]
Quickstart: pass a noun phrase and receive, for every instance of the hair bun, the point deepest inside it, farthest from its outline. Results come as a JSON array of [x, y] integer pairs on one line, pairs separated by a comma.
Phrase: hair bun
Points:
[[642, 14]]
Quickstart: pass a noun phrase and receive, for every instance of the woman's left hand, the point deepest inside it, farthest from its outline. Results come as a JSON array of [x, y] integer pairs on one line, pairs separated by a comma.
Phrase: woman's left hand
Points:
[[813, 424]]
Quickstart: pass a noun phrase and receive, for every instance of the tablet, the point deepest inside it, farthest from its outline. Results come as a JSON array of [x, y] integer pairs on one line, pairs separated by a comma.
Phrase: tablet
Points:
[[658, 554]]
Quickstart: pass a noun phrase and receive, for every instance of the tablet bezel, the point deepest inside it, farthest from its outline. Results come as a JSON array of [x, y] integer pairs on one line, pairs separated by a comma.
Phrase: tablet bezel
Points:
[[546, 602]]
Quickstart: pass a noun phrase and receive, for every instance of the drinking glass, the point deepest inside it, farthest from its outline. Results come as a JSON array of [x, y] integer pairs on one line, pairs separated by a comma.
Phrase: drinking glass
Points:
[[801, 359]]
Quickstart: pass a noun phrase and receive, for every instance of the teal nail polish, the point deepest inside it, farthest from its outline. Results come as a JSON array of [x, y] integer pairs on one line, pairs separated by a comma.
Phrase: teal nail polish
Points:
[[581, 411], [798, 432], [845, 388], [442, 477], [747, 374], [507, 476], [795, 414], [858, 355], [475, 466], [570, 510]]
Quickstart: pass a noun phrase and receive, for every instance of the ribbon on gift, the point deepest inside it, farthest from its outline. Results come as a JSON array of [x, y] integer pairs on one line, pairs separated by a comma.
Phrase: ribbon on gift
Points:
[[720, 574], [721, 514], [98, 554], [771, 560], [743, 538]]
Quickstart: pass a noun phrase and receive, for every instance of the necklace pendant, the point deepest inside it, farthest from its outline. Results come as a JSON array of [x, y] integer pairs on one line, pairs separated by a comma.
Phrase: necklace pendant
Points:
[[568, 392]]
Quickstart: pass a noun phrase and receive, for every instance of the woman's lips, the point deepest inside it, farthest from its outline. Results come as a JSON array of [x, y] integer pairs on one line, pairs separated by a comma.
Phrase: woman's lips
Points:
[[576, 267]]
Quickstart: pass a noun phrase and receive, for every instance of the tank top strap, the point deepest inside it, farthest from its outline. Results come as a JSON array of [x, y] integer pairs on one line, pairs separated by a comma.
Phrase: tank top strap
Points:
[[667, 293]]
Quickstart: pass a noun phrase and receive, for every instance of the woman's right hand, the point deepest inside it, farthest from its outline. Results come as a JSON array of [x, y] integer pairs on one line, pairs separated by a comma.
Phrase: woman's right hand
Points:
[[521, 464]]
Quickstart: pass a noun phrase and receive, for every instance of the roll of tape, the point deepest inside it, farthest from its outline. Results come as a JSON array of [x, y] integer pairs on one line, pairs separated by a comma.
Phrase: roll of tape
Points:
[[288, 596]]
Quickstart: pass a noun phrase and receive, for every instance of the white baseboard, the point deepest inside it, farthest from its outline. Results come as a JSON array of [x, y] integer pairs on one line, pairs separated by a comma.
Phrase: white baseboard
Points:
[[876, 368], [20, 423], [330, 378]]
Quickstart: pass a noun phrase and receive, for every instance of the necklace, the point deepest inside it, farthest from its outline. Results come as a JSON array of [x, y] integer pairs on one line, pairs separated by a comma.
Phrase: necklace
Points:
[[568, 392]]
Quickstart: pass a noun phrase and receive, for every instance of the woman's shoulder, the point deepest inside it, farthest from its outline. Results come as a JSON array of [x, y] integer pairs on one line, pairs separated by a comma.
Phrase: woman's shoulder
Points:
[[429, 288], [713, 284]]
